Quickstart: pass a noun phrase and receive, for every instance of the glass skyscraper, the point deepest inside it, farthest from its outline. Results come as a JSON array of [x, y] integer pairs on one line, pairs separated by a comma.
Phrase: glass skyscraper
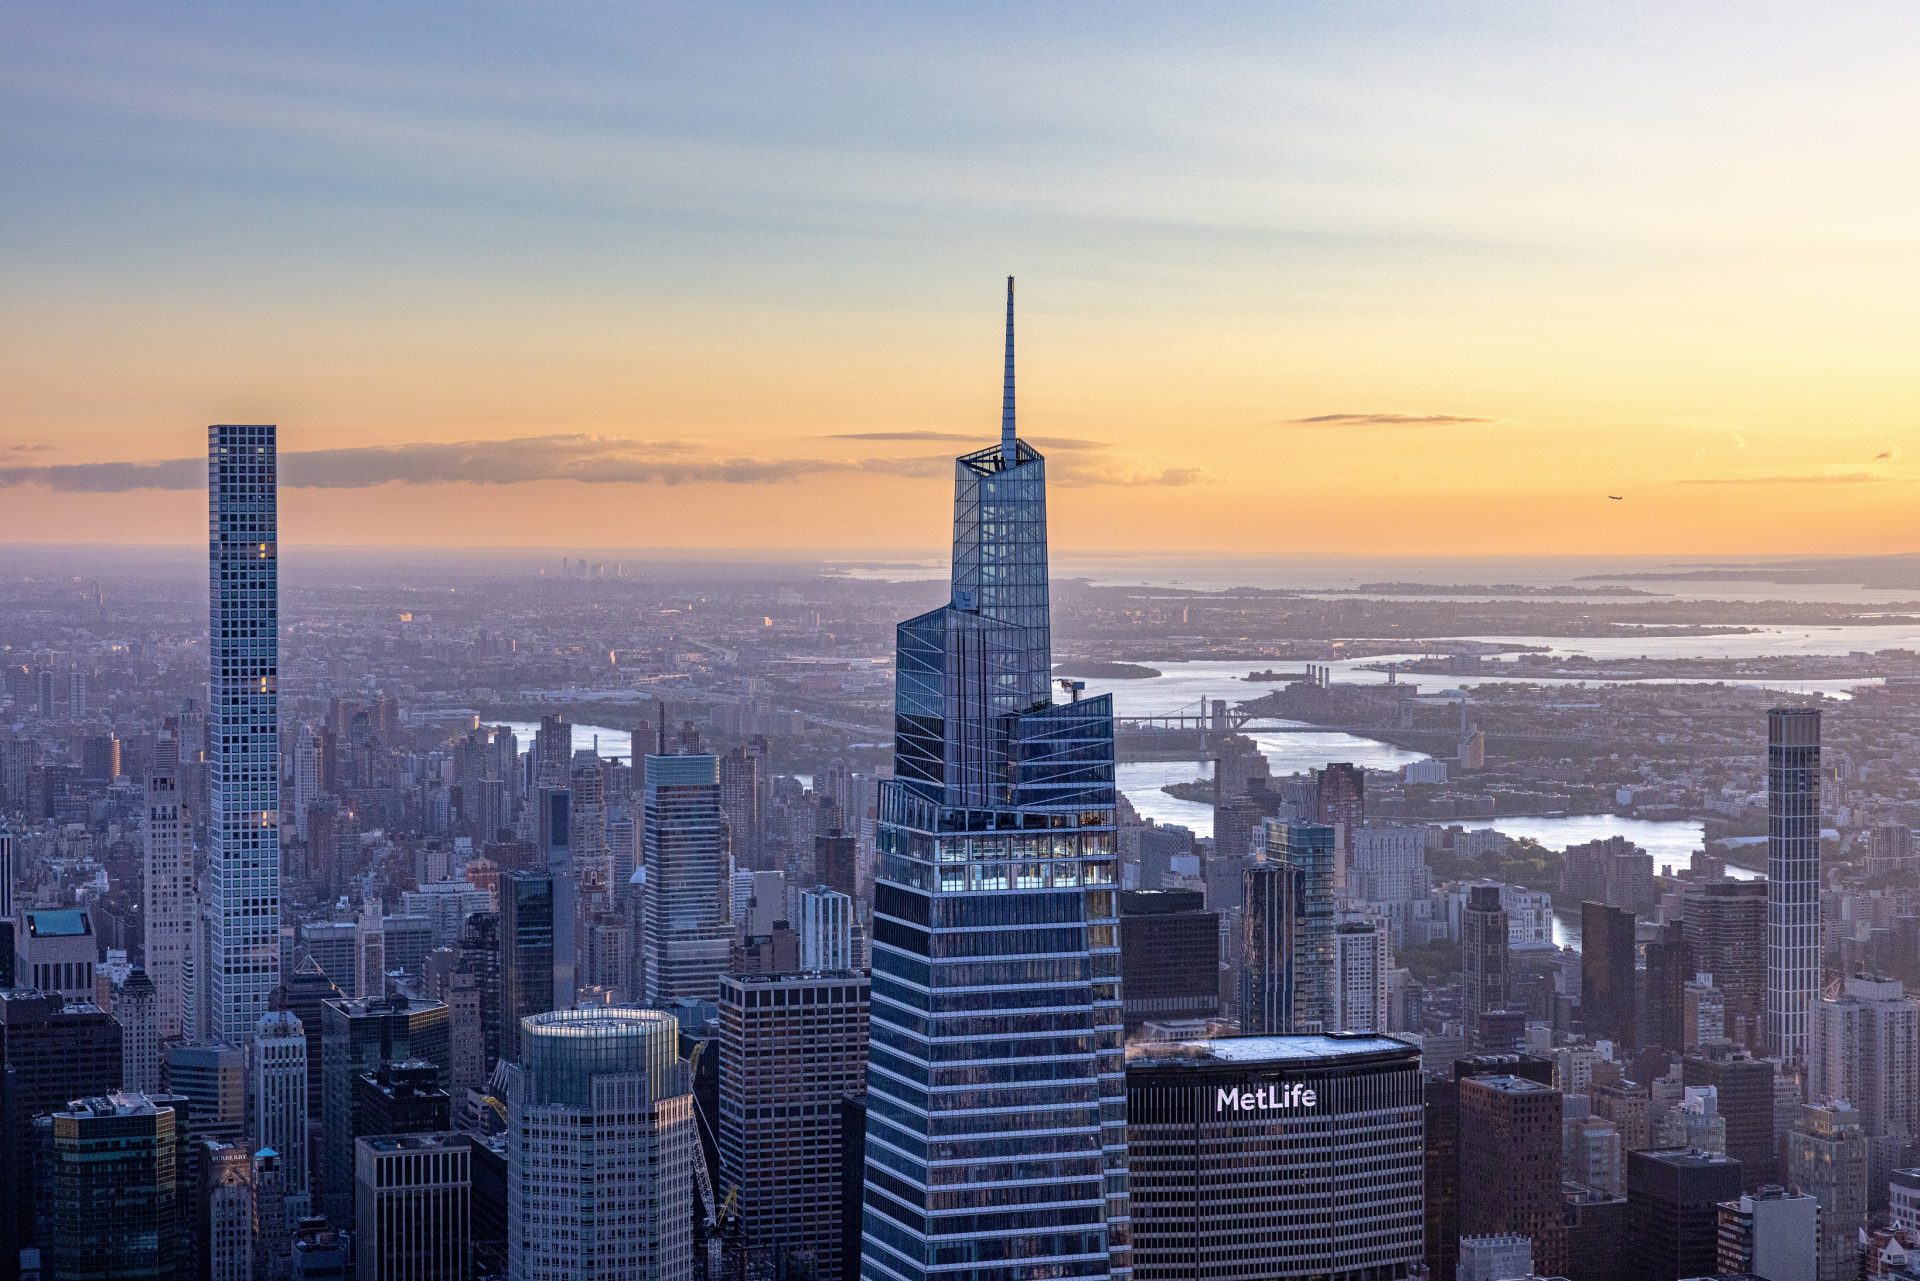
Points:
[[684, 899], [996, 1081], [243, 734], [1793, 879]]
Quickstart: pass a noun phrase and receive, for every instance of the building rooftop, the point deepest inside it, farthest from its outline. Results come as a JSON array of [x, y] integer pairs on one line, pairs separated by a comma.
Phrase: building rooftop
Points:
[[58, 922], [430, 1142], [1275, 1050], [1510, 1084]]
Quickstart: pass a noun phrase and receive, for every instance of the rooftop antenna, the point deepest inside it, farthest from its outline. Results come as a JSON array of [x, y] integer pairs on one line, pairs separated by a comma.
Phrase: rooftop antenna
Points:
[[1007, 451]]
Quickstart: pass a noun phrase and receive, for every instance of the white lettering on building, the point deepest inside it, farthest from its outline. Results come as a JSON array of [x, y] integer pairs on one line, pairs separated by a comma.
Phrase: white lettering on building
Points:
[[1265, 1098]]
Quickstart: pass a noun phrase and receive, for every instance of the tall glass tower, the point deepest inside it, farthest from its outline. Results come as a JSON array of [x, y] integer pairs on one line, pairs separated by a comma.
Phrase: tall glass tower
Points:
[[1793, 879], [243, 777], [996, 1081]]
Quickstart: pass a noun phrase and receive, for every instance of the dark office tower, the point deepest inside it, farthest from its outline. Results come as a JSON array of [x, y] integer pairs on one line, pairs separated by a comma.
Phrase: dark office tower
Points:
[[996, 1064], [685, 899], [403, 1097], [303, 991], [413, 1198], [358, 1035], [1510, 1165], [1169, 956], [552, 751], [1607, 974], [8, 875], [467, 977], [1669, 967], [1443, 1147], [320, 1251], [1268, 923], [1483, 964], [52, 1053], [210, 1080], [554, 834], [243, 738], [1673, 1217], [792, 1047], [1266, 1158], [1745, 1086], [1340, 802], [834, 863], [1793, 880], [115, 1173], [1726, 935], [740, 802], [526, 953], [1596, 1233]]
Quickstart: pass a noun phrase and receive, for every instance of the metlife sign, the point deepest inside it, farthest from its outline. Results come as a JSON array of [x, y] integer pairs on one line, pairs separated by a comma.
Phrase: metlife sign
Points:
[[1276, 1097]]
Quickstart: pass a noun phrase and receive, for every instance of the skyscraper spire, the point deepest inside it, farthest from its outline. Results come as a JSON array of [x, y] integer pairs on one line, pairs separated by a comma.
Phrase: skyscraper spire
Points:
[[1006, 405]]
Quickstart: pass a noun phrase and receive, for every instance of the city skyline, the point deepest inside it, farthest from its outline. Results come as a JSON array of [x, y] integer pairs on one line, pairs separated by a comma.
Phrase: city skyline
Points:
[[399, 892], [667, 278]]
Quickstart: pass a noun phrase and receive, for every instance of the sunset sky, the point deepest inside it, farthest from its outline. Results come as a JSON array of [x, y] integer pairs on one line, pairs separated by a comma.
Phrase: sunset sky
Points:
[[1293, 279]]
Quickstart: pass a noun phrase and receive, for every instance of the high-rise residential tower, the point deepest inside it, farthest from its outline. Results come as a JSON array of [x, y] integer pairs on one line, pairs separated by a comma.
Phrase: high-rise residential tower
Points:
[[1483, 964], [169, 904], [1793, 879], [243, 769], [996, 1081]]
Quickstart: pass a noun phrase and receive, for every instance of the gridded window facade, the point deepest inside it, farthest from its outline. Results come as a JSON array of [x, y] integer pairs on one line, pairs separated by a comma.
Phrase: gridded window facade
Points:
[[1793, 879], [685, 899], [792, 1047], [1265, 1158], [996, 1113], [243, 775], [600, 1149]]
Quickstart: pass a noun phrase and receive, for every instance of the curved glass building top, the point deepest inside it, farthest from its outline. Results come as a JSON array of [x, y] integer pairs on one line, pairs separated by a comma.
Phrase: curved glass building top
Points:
[[563, 1051]]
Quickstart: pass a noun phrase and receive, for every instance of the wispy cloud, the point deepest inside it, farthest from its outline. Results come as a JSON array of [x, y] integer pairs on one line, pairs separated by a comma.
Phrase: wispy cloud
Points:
[[590, 460], [929, 437], [1386, 420], [1808, 478], [593, 460], [1057, 444], [1164, 477]]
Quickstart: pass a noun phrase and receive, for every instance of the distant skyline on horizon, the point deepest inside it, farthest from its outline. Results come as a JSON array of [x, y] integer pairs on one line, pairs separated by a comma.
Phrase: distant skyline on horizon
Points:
[[1327, 280]]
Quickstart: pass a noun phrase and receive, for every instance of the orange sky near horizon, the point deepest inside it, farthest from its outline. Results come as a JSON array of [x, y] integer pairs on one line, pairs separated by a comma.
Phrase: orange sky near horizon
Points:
[[1639, 253]]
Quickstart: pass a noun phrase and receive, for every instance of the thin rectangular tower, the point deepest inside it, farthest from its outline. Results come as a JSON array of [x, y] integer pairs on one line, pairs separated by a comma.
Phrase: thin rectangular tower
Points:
[[243, 775], [996, 1122], [1793, 879]]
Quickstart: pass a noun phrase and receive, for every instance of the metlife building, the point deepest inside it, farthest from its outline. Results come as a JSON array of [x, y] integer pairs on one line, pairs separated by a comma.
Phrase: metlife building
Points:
[[1258, 1158]]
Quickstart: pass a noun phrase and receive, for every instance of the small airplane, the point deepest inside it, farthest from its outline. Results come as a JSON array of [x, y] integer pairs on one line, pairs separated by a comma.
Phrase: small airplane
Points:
[[1617, 498]]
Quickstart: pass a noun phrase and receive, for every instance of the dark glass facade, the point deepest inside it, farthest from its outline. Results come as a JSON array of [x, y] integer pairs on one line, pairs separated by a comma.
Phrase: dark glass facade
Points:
[[1793, 879], [996, 1127]]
